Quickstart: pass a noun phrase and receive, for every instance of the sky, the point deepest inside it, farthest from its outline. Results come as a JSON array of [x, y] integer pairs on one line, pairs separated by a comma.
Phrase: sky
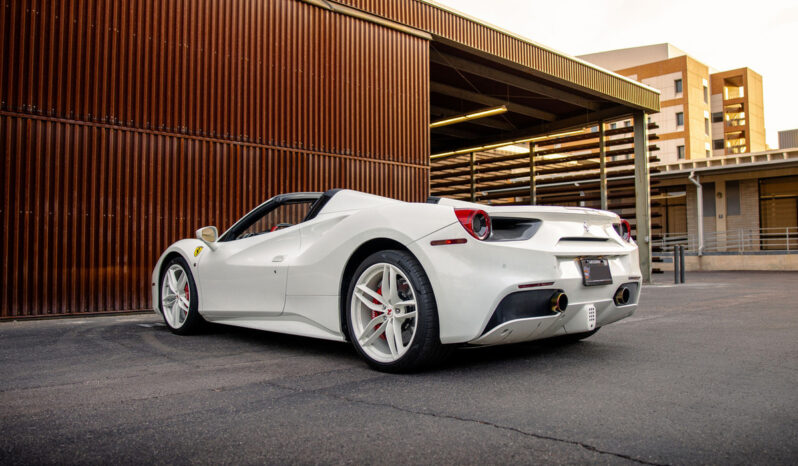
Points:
[[759, 34]]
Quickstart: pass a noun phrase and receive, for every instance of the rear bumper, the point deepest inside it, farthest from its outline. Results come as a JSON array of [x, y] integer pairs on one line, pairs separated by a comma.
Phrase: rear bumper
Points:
[[470, 281]]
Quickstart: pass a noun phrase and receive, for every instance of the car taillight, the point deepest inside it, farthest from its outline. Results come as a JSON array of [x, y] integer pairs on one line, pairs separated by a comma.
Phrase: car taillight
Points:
[[475, 221], [624, 230]]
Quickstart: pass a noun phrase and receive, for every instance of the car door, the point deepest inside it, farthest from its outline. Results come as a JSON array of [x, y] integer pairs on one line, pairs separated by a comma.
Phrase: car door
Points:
[[247, 272]]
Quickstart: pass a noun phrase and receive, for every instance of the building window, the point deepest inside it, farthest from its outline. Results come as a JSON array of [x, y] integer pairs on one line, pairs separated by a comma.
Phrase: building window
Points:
[[678, 85], [706, 95], [717, 117], [613, 125], [717, 144], [594, 129], [709, 199], [680, 152], [679, 118], [732, 198], [627, 123], [706, 126], [707, 154]]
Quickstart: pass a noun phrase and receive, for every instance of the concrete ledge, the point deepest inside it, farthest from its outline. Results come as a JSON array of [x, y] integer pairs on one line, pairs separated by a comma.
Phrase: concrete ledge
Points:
[[713, 263]]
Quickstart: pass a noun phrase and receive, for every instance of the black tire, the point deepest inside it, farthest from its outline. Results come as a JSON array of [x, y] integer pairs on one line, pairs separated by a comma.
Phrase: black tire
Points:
[[426, 349], [575, 337], [194, 320]]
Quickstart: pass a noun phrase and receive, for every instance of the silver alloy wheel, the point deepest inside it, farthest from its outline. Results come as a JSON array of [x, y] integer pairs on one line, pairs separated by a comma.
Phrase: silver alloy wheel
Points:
[[383, 312], [175, 296]]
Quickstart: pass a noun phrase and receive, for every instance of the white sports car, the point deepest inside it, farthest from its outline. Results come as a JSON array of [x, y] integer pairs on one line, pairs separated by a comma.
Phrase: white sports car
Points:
[[404, 282]]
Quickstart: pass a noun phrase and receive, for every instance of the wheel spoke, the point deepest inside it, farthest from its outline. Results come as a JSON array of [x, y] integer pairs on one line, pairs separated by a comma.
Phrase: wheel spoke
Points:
[[169, 299], [406, 315], [183, 302], [371, 293], [397, 333], [405, 303], [372, 332], [176, 314], [367, 301], [389, 336], [181, 282], [172, 280]]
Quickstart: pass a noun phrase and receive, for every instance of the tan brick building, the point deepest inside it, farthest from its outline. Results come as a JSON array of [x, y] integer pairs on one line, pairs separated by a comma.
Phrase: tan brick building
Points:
[[704, 113]]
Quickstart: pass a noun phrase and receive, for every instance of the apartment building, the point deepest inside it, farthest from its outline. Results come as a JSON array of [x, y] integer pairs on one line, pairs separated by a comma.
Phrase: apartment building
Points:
[[704, 113]]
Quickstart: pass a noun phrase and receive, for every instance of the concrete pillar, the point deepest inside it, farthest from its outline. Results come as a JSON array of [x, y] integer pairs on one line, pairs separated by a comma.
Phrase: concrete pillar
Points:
[[642, 194]]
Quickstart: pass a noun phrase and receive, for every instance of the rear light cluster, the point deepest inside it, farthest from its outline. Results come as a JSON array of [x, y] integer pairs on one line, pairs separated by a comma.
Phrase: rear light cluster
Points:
[[624, 230], [475, 221]]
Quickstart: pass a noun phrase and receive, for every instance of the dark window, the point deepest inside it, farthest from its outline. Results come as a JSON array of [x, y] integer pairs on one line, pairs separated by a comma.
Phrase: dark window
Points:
[[717, 117], [709, 199], [706, 95], [627, 123], [680, 152], [717, 144], [679, 118], [732, 198], [678, 85], [613, 125], [706, 126]]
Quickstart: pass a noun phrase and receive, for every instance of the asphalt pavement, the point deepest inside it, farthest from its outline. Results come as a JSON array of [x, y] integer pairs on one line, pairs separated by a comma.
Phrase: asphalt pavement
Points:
[[705, 372]]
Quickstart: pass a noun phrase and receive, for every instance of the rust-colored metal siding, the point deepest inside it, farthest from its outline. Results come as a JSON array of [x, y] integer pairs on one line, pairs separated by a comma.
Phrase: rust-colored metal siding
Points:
[[443, 23], [126, 125]]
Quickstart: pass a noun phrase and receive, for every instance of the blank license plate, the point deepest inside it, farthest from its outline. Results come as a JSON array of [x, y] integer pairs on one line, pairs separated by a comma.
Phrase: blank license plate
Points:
[[595, 271]]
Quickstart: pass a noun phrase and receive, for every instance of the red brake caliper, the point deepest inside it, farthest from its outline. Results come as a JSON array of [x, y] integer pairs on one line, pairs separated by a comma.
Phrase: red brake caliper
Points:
[[188, 297], [375, 313]]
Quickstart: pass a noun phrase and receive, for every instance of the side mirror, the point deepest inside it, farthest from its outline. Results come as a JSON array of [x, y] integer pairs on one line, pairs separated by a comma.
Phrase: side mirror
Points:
[[209, 236]]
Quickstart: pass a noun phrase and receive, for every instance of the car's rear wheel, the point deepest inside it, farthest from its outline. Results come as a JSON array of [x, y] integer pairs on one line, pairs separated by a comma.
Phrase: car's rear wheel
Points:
[[391, 313], [179, 297]]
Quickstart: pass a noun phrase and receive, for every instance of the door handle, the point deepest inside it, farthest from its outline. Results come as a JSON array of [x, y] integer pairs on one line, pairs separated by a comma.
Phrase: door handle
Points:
[[278, 258]]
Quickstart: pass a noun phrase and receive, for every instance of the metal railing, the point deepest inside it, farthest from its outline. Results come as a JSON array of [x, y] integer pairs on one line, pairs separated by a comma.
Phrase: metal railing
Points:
[[740, 241]]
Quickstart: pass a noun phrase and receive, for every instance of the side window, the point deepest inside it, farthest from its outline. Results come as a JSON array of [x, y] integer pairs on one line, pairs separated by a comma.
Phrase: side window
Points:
[[283, 216]]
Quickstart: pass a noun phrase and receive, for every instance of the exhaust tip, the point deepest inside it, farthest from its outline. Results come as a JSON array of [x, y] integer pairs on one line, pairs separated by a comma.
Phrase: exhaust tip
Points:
[[622, 296], [559, 302]]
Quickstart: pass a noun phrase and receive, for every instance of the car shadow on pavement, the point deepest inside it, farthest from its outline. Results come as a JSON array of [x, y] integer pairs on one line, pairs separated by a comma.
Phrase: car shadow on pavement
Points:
[[463, 357]]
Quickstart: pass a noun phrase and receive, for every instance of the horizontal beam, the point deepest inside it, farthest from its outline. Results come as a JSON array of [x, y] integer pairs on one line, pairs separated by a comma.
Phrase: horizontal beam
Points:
[[512, 80], [573, 122], [459, 93], [486, 122]]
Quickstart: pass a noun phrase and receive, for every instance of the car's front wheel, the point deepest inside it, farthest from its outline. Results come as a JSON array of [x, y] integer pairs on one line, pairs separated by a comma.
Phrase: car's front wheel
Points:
[[179, 297], [391, 313]]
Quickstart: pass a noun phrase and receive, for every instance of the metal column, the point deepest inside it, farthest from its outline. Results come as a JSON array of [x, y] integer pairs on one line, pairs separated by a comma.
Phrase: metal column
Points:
[[602, 167], [473, 178], [533, 189], [642, 194]]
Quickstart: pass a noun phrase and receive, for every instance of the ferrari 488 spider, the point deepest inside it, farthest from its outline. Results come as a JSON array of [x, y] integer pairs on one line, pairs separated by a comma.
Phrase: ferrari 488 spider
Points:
[[403, 282]]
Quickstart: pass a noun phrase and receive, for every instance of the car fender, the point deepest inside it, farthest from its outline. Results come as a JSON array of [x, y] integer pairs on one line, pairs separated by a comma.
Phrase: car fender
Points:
[[191, 250]]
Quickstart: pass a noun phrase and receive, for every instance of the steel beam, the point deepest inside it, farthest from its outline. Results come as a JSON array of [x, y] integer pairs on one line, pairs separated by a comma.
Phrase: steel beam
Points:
[[642, 195], [483, 99], [512, 80]]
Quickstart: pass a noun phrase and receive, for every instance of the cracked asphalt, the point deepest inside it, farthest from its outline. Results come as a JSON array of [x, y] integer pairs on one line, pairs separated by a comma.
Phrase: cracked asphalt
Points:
[[705, 372]]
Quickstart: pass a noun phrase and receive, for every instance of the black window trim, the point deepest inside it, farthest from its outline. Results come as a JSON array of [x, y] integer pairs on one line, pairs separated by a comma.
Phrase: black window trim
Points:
[[258, 212]]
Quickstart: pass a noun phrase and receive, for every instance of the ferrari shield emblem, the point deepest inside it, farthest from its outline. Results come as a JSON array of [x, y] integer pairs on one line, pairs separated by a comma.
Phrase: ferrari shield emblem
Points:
[[197, 251]]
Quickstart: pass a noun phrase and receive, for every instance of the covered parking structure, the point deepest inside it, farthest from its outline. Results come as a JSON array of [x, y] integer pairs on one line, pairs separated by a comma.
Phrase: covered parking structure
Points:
[[126, 125]]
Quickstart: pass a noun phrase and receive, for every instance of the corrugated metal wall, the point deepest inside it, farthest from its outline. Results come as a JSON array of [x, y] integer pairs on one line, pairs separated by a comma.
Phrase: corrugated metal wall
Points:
[[126, 125]]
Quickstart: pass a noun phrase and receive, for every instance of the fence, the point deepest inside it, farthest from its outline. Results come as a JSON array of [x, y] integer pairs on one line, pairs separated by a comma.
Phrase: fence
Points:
[[744, 240]]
